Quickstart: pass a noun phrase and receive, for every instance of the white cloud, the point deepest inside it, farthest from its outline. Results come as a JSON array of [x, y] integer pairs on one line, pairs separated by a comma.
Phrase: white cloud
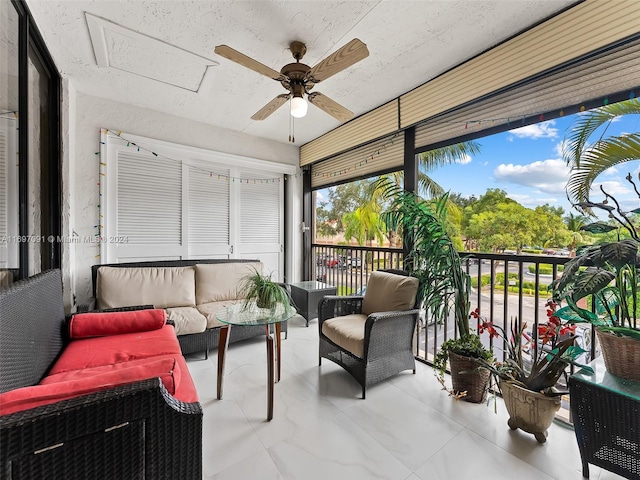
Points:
[[319, 195], [615, 188], [531, 201], [465, 159], [537, 130], [549, 176], [610, 171], [560, 148]]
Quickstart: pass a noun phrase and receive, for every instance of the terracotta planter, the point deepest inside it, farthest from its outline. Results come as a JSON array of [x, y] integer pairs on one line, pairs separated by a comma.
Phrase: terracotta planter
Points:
[[530, 411], [475, 382], [621, 355]]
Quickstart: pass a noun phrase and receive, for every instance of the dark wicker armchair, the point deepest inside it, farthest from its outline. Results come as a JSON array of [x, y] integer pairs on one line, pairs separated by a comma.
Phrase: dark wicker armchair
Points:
[[371, 336]]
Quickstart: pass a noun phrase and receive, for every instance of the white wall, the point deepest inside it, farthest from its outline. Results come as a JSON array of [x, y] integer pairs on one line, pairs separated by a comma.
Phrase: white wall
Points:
[[89, 114]]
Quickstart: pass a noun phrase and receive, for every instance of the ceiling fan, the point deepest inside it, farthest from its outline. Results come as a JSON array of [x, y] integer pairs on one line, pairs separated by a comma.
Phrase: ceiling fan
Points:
[[299, 78]]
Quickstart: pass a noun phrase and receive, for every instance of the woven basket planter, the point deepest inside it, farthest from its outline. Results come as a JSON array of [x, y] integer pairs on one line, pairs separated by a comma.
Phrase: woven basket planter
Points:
[[530, 411], [474, 380], [621, 355]]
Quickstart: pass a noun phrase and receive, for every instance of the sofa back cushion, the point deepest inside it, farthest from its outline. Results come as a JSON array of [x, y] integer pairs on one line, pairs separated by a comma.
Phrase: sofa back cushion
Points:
[[388, 292], [217, 282], [161, 287], [31, 329]]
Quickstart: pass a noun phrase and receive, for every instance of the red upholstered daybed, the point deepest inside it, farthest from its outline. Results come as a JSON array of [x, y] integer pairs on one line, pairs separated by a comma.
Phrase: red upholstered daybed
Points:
[[107, 372]]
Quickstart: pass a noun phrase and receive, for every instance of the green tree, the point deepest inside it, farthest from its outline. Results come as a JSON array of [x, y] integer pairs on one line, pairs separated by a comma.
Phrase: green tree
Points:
[[588, 158], [495, 223], [364, 224], [341, 199]]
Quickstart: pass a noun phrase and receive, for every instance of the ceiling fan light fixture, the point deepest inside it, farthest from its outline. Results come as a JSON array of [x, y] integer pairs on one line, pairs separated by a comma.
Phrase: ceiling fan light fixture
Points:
[[299, 107]]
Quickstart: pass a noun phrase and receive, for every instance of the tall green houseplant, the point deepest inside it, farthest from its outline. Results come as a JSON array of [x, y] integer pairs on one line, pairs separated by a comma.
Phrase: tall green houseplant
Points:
[[434, 260]]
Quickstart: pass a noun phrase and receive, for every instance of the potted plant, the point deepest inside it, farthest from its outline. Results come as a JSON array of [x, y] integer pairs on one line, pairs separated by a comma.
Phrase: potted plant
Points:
[[260, 289], [529, 392], [608, 274], [434, 260]]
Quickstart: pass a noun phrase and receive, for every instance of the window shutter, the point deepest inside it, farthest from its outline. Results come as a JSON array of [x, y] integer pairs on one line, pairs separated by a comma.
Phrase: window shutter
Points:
[[260, 209], [208, 206], [149, 207]]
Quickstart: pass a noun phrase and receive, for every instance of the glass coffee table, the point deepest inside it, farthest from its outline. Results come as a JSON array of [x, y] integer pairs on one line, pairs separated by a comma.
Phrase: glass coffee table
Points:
[[244, 315]]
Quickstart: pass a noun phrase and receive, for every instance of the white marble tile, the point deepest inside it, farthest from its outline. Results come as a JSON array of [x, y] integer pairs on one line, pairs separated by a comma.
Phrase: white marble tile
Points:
[[257, 467], [470, 456], [558, 457], [335, 448], [406, 429], [426, 388], [227, 437], [409, 429]]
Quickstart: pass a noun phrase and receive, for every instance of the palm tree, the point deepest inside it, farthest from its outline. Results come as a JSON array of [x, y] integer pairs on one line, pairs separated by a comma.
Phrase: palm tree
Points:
[[575, 222], [586, 160], [364, 224], [427, 187]]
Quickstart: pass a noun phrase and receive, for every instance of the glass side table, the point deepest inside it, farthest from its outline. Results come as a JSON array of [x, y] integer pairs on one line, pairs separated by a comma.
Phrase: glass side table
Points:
[[606, 417], [242, 315]]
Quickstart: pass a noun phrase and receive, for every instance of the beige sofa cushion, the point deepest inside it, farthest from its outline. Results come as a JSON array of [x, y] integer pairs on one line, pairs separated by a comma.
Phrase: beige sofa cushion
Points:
[[161, 287], [216, 282], [187, 320], [209, 311], [347, 331], [388, 292]]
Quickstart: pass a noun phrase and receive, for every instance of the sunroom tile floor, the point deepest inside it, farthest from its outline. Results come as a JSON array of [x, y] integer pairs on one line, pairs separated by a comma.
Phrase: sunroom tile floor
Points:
[[406, 429]]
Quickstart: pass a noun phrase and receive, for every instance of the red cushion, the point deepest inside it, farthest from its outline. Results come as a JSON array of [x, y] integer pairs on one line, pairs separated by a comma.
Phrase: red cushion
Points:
[[185, 390], [168, 369], [86, 325], [99, 351]]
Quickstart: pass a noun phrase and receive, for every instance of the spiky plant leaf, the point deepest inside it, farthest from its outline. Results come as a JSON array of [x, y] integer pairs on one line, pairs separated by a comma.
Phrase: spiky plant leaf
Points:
[[598, 227]]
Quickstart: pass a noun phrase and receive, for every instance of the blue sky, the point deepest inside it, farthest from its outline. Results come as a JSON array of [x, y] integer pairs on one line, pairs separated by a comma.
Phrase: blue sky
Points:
[[527, 164]]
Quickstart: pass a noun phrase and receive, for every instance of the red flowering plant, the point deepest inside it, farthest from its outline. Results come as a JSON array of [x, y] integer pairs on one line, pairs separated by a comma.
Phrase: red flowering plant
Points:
[[536, 369]]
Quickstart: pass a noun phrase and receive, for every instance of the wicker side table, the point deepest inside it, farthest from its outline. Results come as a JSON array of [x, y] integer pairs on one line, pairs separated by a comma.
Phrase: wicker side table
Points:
[[307, 295], [606, 416]]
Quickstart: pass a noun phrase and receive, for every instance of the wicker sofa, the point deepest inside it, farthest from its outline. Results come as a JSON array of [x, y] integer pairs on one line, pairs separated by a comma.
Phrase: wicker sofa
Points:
[[102, 396], [191, 291]]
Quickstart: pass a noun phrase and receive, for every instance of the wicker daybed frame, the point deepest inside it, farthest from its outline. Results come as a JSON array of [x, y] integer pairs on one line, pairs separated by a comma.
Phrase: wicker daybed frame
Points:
[[133, 431]]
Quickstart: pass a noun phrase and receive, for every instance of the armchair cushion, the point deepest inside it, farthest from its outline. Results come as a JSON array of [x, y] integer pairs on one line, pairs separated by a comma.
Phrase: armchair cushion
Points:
[[388, 292], [347, 332], [87, 325]]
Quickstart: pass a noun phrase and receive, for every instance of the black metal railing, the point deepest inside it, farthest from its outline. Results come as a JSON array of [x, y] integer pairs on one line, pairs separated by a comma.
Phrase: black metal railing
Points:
[[348, 267], [505, 288]]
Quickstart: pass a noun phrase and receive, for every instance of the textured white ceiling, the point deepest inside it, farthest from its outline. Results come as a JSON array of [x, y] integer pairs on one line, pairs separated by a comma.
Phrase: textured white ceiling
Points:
[[409, 42]]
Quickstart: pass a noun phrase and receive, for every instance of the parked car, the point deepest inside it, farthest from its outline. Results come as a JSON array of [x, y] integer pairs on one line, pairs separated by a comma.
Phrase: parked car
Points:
[[321, 275], [354, 262], [331, 262]]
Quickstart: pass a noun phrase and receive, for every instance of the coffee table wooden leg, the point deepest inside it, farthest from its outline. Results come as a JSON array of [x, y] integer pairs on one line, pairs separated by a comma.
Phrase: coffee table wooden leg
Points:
[[223, 343], [278, 344], [270, 375]]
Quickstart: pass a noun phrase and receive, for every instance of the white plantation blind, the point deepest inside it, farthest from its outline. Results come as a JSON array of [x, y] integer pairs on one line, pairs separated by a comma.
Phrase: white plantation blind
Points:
[[169, 201], [260, 210], [208, 206], [149, 199]]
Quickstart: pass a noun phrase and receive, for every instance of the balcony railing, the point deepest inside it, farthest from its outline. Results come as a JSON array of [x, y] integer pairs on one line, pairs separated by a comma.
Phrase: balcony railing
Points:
[[505, 288]]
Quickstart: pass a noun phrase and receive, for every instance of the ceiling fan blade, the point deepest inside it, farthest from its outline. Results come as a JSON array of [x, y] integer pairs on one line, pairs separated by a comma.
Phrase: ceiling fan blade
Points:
[[330, 106], [240, 58], [271, 107], [351, 53]]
